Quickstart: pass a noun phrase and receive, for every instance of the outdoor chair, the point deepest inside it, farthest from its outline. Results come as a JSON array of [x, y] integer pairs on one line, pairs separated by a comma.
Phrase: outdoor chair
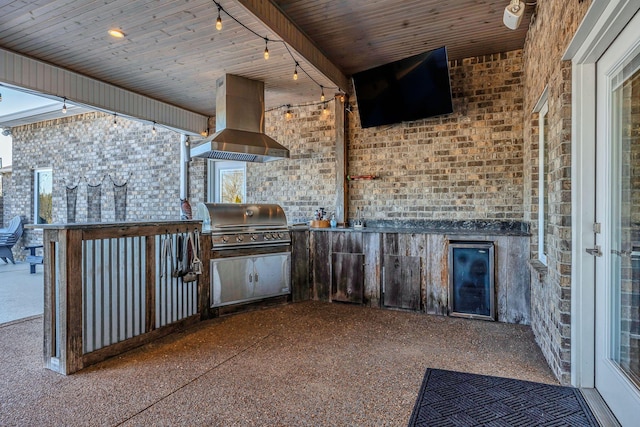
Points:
[[9, 237]]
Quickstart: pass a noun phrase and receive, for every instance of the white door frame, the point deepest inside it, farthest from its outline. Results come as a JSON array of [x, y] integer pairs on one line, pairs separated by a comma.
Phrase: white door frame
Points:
[[602, 24]]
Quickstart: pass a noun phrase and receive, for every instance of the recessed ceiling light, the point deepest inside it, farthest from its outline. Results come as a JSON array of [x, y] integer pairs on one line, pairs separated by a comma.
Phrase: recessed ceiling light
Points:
[[116, 33]]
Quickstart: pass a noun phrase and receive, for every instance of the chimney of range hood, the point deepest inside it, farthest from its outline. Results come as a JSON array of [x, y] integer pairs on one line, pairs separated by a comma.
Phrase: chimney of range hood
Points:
[[239, 124]]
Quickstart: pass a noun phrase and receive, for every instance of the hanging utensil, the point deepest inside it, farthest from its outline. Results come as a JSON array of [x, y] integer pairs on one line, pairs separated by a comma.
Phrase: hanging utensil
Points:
[[189, 275], [177, 268], [167, 252], [196, 264]]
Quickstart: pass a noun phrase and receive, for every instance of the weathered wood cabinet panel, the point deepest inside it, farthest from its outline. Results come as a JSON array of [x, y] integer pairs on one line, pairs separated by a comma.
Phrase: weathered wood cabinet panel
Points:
[[347, 284], [436, 290], [372, 268], [401, 282], [347, 242], [408, 256], [320, 248], [420, 265], [347, 267], [512, 280], [300, 265]]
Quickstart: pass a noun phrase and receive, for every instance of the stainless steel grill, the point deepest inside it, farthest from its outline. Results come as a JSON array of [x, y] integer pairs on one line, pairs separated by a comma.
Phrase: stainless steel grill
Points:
[[233, 225], [251, 251]]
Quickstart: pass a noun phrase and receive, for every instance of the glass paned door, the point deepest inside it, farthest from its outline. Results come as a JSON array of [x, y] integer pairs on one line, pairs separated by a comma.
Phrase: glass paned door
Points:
[[618, 209], [624, 225]]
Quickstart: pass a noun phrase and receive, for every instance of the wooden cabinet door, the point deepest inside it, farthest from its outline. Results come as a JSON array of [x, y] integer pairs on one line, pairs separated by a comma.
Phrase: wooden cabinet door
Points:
[[300, 265], [347, 278], [401, 282], [320, 243]]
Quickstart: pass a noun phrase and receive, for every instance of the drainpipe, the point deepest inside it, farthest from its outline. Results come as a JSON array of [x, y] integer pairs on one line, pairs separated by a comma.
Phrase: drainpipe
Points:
[[184, 166]]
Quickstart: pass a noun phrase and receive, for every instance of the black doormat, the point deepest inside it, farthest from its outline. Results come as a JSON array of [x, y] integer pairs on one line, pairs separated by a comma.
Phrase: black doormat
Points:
[[459, 399]]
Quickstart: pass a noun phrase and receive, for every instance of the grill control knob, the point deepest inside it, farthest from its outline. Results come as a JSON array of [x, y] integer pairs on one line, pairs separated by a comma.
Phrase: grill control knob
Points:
[[266, 236], [254, 237], [280, 235], [239, 239], [225, 239]]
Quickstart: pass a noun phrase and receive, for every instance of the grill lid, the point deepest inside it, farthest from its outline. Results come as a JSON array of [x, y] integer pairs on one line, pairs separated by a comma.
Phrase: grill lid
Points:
[[225, 217]]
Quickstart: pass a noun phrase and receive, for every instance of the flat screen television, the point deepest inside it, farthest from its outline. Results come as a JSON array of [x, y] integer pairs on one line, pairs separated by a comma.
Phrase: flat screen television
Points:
[[409, 89]]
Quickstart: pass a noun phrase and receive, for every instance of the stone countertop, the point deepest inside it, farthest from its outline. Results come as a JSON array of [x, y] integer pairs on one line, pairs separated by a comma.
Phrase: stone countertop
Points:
[[462, 228]]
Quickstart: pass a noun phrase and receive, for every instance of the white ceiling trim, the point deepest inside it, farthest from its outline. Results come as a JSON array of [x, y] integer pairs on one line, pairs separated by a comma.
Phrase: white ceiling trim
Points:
[[41, 77]]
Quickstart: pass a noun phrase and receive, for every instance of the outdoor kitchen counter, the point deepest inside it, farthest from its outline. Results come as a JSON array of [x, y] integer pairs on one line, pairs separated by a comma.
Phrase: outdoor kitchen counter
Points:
[[457, 228], [348, 264]]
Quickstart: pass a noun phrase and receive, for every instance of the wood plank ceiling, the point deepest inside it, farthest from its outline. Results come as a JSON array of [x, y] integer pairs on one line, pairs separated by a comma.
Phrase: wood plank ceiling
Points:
[[173, 53]]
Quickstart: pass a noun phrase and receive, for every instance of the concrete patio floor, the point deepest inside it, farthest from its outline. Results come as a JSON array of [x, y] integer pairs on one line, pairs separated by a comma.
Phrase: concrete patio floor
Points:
[[304, 364], [21, 293]]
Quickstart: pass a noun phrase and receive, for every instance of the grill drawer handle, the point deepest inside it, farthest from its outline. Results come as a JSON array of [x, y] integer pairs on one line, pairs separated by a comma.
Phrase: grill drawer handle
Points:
[[250, 278]]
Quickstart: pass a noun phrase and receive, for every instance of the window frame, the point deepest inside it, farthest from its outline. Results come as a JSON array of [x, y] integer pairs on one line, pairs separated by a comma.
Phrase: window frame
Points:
[[36, 192], [215, 168], [542, 108]]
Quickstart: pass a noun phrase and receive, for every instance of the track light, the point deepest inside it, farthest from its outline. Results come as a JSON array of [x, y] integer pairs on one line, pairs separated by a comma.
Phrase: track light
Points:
[[266, 48], [115, 120], [322, 94], [219, 20], [64, 106], [295, 73], [153, 129]]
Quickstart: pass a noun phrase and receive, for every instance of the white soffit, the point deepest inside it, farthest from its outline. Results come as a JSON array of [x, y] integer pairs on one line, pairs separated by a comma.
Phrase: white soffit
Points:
[[41, 77]]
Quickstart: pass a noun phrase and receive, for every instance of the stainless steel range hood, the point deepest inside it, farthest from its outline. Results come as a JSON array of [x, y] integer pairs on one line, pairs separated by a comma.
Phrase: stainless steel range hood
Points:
[[239, 124]]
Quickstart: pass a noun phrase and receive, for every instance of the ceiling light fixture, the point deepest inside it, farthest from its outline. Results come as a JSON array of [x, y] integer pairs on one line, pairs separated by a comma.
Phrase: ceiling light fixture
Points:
[[64, 106], [266, 48], [219, 20], [118, 34], [115, 121], [513, 14], [153, 129], [322, 94], [295, 73]]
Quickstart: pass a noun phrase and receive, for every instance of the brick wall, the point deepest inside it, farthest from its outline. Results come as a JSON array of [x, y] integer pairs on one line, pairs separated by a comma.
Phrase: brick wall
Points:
[[87, 149], [308, 179], [551, 31], [466, 165]]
